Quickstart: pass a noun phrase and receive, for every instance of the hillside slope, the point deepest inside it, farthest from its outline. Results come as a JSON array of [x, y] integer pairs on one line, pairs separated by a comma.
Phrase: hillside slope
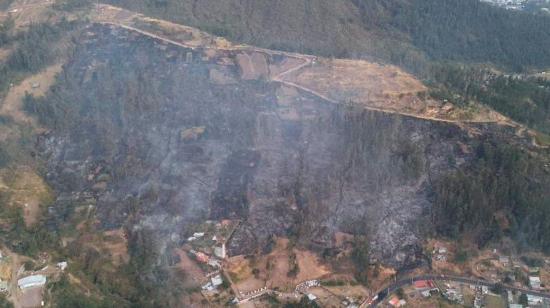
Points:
[[406, 32]]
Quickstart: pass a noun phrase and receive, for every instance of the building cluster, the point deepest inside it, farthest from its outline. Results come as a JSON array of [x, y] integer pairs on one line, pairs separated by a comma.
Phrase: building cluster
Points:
[[480, 293], [508, 4], [440, 254], [396, 302], [208, 248], [426, 288], [253, 292], [213, 283], [304, 286], [534, 278], [453, 294], [350, 302]]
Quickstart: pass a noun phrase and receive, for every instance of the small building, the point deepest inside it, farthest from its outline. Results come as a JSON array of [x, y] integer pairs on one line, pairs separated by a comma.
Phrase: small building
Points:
[[208, 287], [515, 306], [62, 265], [311, 297], [214, 263], [534, 300], [202, 257], [423, 285], [198, 234], [504, 260], [454, 295], [534, 282], [220, 251], [396, 302], [31, 281], [216, 280], [426, 293]]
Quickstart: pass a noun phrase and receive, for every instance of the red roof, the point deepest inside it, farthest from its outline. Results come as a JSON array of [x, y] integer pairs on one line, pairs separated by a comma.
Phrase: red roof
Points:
[[394, 301], [201, 257], [423, 284]]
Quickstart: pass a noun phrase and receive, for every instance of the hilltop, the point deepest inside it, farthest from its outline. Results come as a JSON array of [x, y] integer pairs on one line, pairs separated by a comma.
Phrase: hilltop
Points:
[[410, 33]]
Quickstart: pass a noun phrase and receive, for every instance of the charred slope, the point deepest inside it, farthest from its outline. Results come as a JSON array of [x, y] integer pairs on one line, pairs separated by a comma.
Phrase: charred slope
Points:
[[160, 141]]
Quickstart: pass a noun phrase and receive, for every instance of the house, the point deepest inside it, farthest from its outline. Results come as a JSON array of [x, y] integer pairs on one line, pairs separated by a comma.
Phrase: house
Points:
[[201, 257], [534, 300], [423, 285], [220, 252], [31, 281], [504, 260], [62, 265], [396, 302], [214, 263], [426, 293], [208, 287], [216, 281], [454, 296], [534, 282]]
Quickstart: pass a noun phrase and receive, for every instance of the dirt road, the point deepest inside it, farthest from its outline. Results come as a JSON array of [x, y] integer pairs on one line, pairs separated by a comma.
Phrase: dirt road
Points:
[[280, 78]]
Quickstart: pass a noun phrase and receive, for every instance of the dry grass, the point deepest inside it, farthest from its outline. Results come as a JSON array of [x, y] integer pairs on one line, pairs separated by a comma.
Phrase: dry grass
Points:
[[13, 102], [190, 267], [28, 191], [274, 267], [117, 246], [5, 270]]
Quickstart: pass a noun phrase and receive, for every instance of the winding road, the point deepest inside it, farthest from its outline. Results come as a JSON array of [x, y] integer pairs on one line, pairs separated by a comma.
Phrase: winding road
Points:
[[306, 60]]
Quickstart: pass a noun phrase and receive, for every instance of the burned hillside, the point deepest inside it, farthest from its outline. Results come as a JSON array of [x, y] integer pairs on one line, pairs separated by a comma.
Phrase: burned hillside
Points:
[[161, 136]]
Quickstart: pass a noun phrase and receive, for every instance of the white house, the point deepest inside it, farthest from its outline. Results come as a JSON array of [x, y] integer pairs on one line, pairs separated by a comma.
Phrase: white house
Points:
[[534, 300], [62, 265], [534, 282], [216, 280], [220, 252], [31, 281]]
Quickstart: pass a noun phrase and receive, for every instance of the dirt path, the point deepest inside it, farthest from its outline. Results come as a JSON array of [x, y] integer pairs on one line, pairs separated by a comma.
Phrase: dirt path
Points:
[[280, 78]]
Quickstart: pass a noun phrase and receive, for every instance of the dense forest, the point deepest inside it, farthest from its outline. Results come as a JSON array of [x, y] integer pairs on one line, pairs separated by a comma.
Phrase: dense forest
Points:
[[504, 191], [524, 99]]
